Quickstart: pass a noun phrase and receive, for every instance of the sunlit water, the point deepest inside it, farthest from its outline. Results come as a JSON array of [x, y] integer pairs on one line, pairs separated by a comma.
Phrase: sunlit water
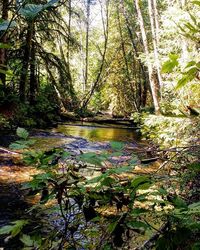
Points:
[[98, 134]]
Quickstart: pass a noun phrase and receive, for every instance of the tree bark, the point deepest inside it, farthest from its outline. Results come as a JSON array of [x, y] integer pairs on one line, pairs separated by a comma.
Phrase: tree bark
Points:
[[69, 31], [3, 39], [125, 59], [87, 44], [154, 31], [26, 61], [144, 80], [98, 78], [33, 76], [152, 78]]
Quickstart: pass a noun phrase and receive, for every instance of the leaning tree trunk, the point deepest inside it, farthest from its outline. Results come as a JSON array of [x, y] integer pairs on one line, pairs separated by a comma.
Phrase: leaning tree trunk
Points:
[[26, 61], [101, 68], [3, 39], [152, 78]]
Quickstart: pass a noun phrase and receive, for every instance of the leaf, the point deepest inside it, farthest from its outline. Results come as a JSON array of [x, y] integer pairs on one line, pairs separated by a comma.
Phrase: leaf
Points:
[[26, 239], [17, 146], [190, 64], [133, 160], [6, 72], [195, 206], [162, 191], [117, 145], [196, 246], [193, 18], [169, 65], [14, 229], [65, 155], [5, 46], [179, 203], [196, 2], [119, 170], [187, 77], [22, 133], [194, 166], [92, 158], [138, 211], [112, 226], [4, 25], [31, 11], [6, 229], [97, 179], [108, 181], [137, 224], [140, 181]]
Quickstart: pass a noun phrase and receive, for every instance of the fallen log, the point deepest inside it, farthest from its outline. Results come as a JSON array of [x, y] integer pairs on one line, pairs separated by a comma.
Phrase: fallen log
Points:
[[7, 151], [150, 160]]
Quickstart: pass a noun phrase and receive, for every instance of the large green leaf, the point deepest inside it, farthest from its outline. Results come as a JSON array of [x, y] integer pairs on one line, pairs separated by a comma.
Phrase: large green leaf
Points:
[[22, 133], [31, 11]]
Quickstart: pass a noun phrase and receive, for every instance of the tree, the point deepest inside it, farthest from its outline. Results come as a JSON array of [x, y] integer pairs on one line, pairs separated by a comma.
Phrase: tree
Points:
[[152, 76], [3, 41]]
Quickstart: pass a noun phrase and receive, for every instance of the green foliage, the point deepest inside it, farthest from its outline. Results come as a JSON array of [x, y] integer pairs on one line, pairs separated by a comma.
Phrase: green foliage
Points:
[[93, 158], [24, 142], [22, 133], [170, 64], [4, 123], [60, 180], [192, 69], [5, 46], [117, 145], [196, 2], [15, 228], [166, 130]]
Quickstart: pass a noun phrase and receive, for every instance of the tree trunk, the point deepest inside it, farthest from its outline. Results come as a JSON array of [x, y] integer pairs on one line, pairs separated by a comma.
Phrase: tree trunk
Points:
[[87, 43], [98, 78], [33, 76], [25, 63], [154, 31], [135, 49], [125, 59], [3, 39], [152, 79], [184, 44], [69, 31]]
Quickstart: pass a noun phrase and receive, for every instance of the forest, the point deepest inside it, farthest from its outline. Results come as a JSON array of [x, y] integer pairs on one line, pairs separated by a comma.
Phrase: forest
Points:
[[99, 124]]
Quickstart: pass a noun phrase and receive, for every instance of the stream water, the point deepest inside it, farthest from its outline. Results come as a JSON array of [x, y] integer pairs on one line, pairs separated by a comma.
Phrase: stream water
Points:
[[72, 137]]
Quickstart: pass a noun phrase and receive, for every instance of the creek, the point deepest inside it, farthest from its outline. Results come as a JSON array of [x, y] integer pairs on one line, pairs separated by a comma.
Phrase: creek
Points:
[[73, 137]]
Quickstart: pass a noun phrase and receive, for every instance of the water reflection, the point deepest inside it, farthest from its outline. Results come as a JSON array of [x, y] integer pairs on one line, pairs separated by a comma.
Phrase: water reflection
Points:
[[99, 133]]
